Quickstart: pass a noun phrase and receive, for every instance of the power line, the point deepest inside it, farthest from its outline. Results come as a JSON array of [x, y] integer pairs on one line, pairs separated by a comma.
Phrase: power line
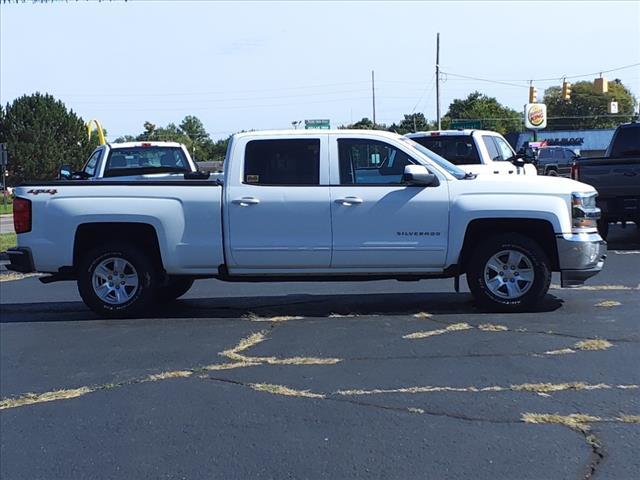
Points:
[[559, 77]]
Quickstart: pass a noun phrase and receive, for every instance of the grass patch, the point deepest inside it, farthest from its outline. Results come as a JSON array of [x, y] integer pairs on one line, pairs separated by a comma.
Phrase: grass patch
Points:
[[430, 333], [490, 327], [282, 390], [593, 344], [575, 421], [6, 209], [281, 318], [7, 240], [31, 398], [167, 375]]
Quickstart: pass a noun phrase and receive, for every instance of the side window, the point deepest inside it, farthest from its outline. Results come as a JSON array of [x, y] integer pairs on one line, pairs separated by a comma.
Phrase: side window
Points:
[[569, 154], [503, 148], [494, 154], [282, 162], [370, 162], [90, 167], [558, 154], [544, 153]]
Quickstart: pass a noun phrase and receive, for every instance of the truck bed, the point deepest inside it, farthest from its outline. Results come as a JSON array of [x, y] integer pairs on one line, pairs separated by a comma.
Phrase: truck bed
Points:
[[188, 224]]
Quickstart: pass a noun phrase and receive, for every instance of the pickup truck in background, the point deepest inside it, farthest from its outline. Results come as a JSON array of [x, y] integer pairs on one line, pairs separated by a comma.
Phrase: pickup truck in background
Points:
[[475, 151], [134, 161], [616, 177], [338, 205]]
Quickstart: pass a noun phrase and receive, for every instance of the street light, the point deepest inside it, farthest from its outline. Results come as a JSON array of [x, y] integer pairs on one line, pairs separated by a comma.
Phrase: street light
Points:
[[295, 124]]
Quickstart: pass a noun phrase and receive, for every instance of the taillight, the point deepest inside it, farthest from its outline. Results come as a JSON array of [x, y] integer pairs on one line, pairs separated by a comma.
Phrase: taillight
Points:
[[21, 215], [575, 171]]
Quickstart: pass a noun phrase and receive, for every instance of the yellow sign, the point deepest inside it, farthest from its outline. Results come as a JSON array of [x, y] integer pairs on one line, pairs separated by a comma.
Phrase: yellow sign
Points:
[[90, 125]]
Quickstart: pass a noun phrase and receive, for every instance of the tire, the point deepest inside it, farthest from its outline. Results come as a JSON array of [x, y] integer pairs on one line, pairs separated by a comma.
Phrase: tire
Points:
[[603, 228], [552, 173], [175, 288], [526, 284], [103, 295]]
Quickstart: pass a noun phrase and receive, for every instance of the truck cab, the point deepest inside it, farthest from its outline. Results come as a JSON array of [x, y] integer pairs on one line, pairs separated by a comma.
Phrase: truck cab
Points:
[[476, 151]]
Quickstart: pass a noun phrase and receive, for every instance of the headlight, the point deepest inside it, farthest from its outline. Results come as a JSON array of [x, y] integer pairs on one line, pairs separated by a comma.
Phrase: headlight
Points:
[[584, 213]]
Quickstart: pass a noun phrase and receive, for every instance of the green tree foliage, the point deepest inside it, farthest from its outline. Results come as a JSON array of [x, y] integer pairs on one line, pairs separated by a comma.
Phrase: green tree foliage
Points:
[[587, 109], [42, 135], [365, 124], [414, 122], [191, 133], [493, 115]]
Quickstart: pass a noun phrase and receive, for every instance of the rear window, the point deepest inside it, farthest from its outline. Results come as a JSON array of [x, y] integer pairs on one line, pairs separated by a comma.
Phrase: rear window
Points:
[[282, 162], [145, 160], [626, 143], [458, 149]]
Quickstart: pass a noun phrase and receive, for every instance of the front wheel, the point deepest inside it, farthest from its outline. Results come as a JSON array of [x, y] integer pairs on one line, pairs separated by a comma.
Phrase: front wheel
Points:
[[509, 272], [117, 280]]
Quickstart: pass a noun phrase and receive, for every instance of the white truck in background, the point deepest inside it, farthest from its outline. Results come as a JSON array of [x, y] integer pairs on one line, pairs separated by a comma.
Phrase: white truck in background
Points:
[[134, 161], [309, 205], [476, 151]]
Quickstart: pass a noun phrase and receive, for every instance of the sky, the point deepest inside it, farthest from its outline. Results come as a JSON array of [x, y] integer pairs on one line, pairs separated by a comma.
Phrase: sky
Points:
[[263, 65]]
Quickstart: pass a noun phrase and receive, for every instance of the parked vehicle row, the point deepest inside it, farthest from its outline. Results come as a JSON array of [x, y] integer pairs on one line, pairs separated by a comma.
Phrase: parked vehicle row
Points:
[[308, 206]]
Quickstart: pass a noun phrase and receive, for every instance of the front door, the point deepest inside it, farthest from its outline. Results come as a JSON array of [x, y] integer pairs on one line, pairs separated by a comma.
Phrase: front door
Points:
[[378, 221], [277, 208]]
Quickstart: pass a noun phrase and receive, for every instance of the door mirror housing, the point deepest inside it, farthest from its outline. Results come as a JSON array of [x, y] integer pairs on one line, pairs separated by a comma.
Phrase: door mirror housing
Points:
[[419, 175], [65, 172]]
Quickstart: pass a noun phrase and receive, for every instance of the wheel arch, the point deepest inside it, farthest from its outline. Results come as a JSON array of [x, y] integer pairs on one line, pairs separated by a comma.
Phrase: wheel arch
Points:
[[141, 235], [541, 231]]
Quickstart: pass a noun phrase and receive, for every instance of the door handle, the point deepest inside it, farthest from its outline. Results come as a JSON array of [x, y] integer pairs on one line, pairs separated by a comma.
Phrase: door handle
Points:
[[349, 201], [246, 201]]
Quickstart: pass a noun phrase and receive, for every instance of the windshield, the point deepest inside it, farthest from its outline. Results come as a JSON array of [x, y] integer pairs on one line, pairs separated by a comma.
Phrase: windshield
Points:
[[437, 159], [145, 160]]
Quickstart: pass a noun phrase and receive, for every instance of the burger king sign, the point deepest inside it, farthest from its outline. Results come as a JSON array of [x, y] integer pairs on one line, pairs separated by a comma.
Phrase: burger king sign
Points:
[[535, 115]]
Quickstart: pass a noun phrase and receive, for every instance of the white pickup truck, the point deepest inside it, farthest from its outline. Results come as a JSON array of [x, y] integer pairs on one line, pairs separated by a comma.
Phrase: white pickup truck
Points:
[[310, 206], [476, 151], [134, 161]]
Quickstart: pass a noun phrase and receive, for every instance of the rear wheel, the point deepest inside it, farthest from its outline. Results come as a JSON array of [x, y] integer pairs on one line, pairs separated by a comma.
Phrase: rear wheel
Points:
[[117, 280], [552, 173], [509, 272], [175, 288]]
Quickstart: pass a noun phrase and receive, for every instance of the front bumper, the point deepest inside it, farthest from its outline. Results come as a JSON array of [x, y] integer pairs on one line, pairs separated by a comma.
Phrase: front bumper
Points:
[[20, 260], [581, 256]]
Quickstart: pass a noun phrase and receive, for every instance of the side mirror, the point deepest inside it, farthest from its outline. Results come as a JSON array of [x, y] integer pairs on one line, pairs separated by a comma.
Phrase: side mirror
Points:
[[65, 172], [419, 175]]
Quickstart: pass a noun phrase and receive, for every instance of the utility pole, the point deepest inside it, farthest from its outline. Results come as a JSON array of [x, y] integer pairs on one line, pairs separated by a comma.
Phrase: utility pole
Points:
[[438, 80], [373, 96]]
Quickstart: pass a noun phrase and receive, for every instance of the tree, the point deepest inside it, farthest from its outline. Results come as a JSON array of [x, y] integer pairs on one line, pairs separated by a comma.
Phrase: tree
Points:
[[365, 124], [42, 135], [492, 114], [587, 109], [413, 122]]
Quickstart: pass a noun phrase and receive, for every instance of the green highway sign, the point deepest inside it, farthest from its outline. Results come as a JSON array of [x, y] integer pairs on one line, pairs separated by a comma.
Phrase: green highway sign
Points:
[[322, 124]]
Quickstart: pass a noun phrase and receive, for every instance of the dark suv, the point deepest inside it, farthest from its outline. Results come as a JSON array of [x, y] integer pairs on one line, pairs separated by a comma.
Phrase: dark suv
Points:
[[555, 161]]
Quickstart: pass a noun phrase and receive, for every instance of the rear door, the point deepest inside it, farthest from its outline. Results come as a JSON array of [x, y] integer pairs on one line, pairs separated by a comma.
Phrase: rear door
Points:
[[378, 221], [277, 204]]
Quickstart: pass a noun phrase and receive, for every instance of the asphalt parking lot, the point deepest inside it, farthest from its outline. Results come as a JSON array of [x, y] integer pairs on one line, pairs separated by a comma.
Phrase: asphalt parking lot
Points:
[[338, 380]]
